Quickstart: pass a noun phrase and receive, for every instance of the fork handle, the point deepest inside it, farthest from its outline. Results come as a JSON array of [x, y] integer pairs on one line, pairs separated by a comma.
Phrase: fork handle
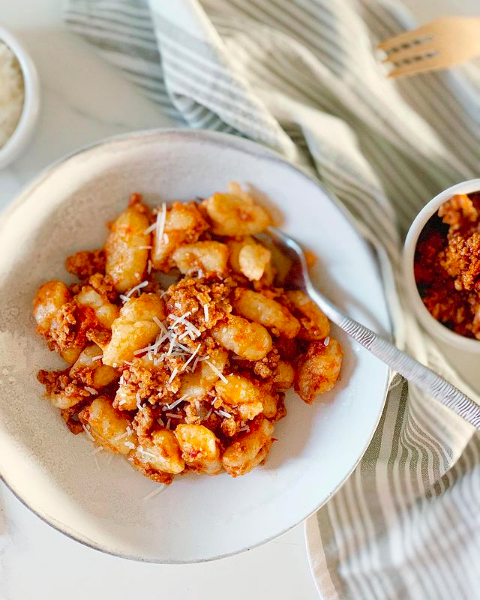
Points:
[[440, 389]]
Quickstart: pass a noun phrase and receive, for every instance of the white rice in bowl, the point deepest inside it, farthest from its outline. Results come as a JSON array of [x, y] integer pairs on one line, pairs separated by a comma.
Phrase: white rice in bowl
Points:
[[12, 93]]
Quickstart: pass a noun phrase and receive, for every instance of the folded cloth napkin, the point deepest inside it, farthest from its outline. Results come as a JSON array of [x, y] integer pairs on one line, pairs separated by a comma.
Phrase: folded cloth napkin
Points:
[[301, 77]]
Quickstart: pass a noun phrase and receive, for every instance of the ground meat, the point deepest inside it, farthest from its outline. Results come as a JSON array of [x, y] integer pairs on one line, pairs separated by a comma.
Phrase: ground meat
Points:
[[104, 286], [461, 259], [70, 416], [267, 367], [70, 327], [461, 211], [151, 382], [61, 381], [206, 303], [447, 265], [144, 423], [86, 263], [101, 337]]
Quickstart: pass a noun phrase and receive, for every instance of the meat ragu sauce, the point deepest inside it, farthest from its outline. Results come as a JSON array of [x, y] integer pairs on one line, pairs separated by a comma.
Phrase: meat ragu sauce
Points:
[[447, 265]]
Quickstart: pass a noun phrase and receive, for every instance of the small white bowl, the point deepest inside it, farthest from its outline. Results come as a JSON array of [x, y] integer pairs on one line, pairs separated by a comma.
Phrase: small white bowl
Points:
[[462, 352], [31, 105]]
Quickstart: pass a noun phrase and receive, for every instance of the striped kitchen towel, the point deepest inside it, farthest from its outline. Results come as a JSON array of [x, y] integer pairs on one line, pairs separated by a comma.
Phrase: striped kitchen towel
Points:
[[301, 77]]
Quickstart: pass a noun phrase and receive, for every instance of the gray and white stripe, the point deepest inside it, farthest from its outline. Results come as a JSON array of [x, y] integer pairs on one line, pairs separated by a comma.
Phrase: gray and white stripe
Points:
[[300, 76]]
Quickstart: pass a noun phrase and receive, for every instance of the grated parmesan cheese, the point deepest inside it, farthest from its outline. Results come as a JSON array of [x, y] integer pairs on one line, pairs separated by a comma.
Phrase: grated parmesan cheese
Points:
[[216, 371], [12, 93], [87, 432], [127, 296], [160, 223], [155, 492], [173, 375], [173, 416], [191, 357]]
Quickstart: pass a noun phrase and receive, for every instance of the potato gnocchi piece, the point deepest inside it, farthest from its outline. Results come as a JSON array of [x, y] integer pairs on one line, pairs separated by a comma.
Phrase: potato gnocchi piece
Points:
[[210, 258], [266, 311], [49, 299], [108, 427], [202, 380], [234, 248], [284, 376], [134, 329], [62, 321], [250, 258], [88, 361], [249, 449], [235, 214], [270, 405], [318, 369], [161, 453], [253, 260], [249, 340], [126, 248], [200, 448], [63, 401], [183, 224], [314, 324], [243, 393], [105, 311]]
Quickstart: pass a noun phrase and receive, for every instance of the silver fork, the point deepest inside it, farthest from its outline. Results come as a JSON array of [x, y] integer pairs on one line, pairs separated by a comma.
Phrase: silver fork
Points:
[[398, 361]]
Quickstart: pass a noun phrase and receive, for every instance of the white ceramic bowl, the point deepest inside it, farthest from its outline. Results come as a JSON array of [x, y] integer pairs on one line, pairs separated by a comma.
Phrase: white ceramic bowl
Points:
[[462, 352], [196, 518], [31, 106]]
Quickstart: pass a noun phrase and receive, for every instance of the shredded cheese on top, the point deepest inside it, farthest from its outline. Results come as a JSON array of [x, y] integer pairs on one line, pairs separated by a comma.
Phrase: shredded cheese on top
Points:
[[216, 371]]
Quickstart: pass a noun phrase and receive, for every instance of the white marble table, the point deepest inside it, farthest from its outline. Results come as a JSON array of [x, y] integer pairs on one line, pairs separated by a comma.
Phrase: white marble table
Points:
[[84, 100]]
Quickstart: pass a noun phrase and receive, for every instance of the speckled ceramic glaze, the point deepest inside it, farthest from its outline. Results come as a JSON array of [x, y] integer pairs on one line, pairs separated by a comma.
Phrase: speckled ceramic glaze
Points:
[[197, 518]]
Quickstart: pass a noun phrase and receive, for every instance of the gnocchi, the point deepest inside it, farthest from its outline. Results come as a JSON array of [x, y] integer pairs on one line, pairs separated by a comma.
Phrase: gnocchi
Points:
[[183, 224], [209, 258], [234, 215], [180, 341], [200, 448], [110, 429], [249, 450], [105, 311], [249, 258], [248, 340], [267, 312], [241, 392], [161, 453], [134, 328], [318, 369], [89, 365], [127, 246], [314, 324], [49, 299], [202, 381]]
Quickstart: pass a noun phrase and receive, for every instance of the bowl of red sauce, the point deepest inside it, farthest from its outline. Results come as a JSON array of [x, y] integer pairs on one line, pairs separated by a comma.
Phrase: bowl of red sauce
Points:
[[442, 274]]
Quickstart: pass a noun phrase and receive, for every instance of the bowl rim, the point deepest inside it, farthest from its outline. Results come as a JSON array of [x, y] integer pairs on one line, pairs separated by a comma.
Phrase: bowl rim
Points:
[[251, 147], [431, 324], [31, 102]]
